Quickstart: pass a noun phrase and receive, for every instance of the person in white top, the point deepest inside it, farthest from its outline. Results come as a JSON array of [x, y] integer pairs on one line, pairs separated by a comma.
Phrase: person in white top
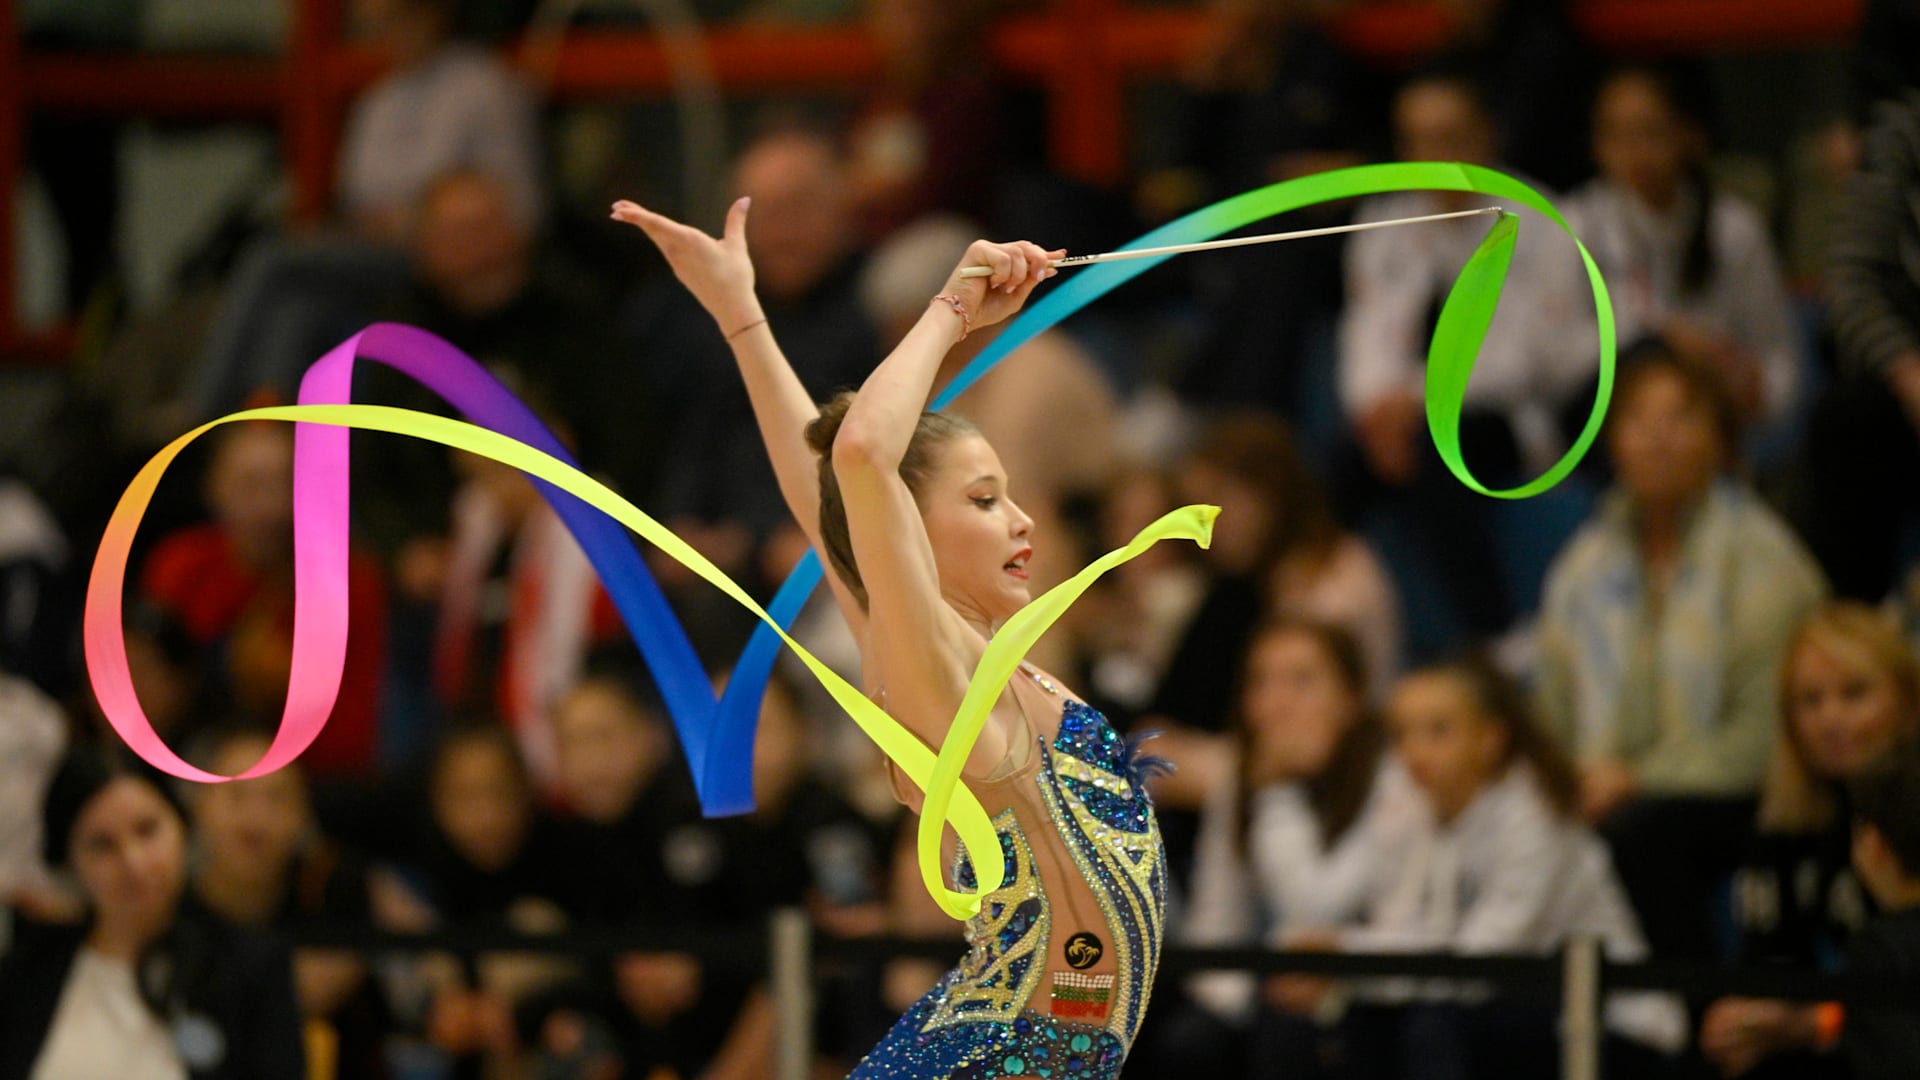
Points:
[[1530, 378], [1683, 261], [140, 990], [1499, 864], [1305, 833]]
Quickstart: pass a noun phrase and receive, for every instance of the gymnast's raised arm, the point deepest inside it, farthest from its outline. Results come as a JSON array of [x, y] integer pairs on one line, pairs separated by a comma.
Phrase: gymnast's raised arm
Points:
[[940, 553], [719, 274]]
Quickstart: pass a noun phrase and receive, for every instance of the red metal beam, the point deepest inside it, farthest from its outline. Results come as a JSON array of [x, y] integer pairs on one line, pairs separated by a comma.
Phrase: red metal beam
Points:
[[142, 84], [1692, 26], [311, 106]]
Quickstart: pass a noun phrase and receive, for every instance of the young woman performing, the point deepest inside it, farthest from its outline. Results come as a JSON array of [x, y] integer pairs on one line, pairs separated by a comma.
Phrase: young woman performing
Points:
[[913, 512]]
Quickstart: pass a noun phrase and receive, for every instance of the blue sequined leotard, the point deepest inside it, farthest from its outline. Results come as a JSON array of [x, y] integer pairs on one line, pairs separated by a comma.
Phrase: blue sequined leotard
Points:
[[1062, 956]]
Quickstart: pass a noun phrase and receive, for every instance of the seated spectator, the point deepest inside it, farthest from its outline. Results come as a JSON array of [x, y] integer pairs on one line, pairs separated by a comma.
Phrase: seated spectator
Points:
[[259, 861], [482, 856], [1268, 96], [1276, 551], [36, 631], [142, 987], [1306, 835], [717, 489], [229, 584], [1538, 73], [1850, 698], [640, 852], [33, 734], [1685, 262], [1883, 1042], [1536, 364], [1499, 864], [932, 134], [441, 105], [1873, 412], [517, 657], [478, 279], [1665, 623]]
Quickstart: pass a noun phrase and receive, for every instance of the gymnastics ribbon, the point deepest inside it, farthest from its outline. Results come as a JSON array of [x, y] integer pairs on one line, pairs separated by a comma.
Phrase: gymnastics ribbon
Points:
[[719, 738], [106, 648]]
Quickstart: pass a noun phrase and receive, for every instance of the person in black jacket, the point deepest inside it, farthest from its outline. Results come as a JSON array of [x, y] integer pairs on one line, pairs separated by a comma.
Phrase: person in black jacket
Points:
[[140, 988], [1883, 1042]]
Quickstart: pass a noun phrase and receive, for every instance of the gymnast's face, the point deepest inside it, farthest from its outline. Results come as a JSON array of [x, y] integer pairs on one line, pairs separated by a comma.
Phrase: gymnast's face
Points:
[[981, 539]]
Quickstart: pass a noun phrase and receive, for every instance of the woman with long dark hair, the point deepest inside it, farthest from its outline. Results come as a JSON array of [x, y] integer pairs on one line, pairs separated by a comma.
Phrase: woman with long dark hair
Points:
[[140, 989]]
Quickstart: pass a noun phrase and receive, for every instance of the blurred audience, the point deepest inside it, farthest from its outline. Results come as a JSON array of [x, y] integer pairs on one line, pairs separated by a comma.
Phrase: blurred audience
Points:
[[1665, 621], [1684, 261], [440, 105], [932, 133], [1882, 1041], [1850, 697], [1276, 550], [1501, 863], [141, 985], [260, 861], [1873, 413], [716, 489], [1303, 838], [1536, 363], [37, 597]]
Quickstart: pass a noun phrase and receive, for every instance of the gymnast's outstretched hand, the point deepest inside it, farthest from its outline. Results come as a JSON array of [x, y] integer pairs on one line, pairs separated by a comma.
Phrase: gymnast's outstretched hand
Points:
[[717, 271]]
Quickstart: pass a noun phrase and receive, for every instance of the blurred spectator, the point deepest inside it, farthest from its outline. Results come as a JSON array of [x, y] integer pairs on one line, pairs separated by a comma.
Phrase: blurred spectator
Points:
[[229, 583], [483, 856], [621, 776], [1501, 864], [520, 609], [441, 106], [1128, 625], [1873, 414], [33, 733], [36, 629], [717, 490], [1307, 834], [1850, 698], [1883, 1042], [1268, 96], [260, 861], [1889, 36], [1665, 622], [142, 986], [931, 136], [1539, 75], [1537, 360], [1684, 261], [1276, 550], [480, 280]]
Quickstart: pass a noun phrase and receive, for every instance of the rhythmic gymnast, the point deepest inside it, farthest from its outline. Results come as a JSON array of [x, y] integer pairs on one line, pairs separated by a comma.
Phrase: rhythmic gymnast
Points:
[[913, 512]]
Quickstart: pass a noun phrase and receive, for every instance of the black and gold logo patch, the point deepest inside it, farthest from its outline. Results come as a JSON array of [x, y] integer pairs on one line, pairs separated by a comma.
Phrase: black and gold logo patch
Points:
[[1083, 950]]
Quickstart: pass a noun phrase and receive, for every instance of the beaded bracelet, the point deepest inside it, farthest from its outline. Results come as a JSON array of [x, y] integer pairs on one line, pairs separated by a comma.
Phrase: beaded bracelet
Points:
[[960, 309]]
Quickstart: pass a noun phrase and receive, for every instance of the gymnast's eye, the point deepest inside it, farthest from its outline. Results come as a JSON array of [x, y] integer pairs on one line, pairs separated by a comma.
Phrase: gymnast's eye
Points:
[[985, 502]]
